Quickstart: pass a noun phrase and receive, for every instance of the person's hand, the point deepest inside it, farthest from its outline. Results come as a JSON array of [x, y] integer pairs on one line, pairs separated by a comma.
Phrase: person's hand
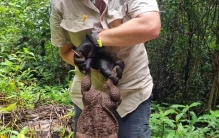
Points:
[[88, 49], [80, 61], [110, 69]]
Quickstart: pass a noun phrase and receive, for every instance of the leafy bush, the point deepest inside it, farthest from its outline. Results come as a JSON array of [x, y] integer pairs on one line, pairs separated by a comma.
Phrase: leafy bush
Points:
[[24, 86], [29, 32], [179, 121]]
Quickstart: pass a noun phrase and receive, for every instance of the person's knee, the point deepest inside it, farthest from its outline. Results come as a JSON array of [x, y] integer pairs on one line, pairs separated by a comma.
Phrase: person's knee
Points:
[[146, 132]]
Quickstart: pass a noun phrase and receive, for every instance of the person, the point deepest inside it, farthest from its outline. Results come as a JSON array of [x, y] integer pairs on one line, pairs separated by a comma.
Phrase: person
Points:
[[123, 26]]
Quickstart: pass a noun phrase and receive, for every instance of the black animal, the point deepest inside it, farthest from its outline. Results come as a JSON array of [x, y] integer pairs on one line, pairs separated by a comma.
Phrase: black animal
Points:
[[89, 54]]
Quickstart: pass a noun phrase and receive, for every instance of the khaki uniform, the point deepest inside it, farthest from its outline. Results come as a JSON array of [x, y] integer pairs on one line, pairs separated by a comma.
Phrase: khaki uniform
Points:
[[67, 27]]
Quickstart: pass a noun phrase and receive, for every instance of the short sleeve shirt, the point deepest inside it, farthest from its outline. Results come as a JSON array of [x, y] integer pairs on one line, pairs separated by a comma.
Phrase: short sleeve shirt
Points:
[[67, 26]]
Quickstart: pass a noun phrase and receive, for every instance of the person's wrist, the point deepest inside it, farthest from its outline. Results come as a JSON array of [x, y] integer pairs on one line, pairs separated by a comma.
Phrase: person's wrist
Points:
[[95, 35], [99, 41], [104, 38]]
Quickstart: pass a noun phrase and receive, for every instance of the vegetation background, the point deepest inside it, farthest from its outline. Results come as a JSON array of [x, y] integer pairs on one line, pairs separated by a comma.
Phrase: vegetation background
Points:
[[184, 63]]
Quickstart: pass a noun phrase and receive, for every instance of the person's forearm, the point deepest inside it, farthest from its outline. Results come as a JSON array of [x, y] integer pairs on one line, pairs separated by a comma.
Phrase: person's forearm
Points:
[[68, 57], [138, 30], [67, 54]]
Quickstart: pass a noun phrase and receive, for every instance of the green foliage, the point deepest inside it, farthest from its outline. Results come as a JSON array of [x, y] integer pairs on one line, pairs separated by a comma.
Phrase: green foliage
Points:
[[29, 32], [179, 121], [6, 132], [21, 85], [181, 59], [29, 65]]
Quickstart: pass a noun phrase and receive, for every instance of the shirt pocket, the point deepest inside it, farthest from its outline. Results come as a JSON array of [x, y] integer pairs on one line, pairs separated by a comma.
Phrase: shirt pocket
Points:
[[116, 12], [76, 28]]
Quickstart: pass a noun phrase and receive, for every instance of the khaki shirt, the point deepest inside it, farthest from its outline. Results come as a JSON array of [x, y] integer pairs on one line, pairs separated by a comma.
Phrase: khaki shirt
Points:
[[67, 27]]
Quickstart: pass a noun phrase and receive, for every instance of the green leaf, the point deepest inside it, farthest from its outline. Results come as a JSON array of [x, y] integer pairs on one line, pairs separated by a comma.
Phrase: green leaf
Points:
[[170, 122], [70, 134], [155, 115], [171, 135], [26, 51], [10, 107], [194, 117], [22, 65], [31, 53], [215, 113], [71, 71], [194, 104], [14, 132], [205, 118], [170, 111], [185, 109], [7, 63], [178, 117], [24, 130], [177, 106], [212, 45], [2, 9]]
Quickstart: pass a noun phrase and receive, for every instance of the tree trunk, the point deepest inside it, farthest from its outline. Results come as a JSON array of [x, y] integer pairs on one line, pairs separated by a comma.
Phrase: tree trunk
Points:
[[214, 93]]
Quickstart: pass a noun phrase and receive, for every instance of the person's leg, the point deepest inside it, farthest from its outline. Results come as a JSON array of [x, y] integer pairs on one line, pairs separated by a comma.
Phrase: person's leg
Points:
[[76, 116], [136, 123]]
